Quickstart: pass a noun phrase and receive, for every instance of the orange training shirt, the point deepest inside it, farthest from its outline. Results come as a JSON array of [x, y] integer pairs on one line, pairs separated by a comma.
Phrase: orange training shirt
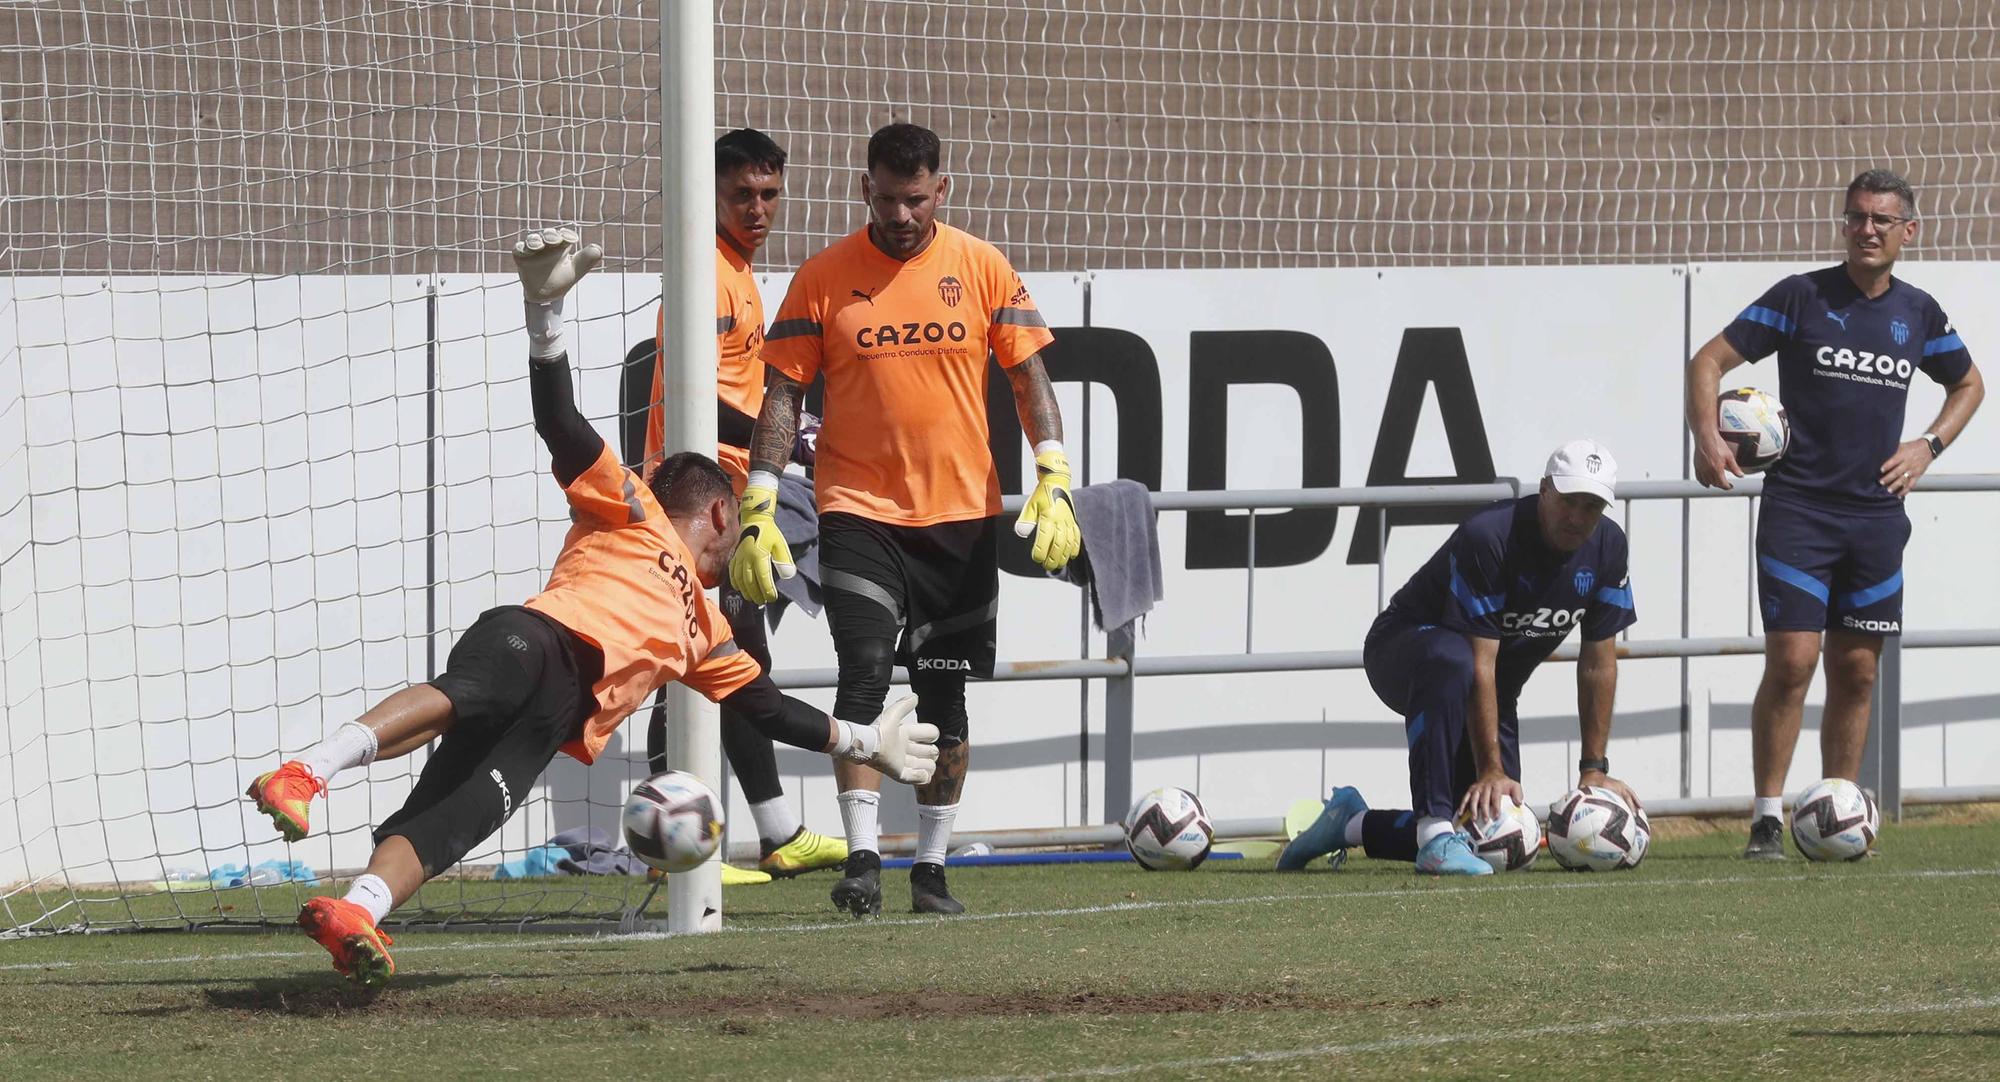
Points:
[[904, 347], [739, 369], [625, 582]]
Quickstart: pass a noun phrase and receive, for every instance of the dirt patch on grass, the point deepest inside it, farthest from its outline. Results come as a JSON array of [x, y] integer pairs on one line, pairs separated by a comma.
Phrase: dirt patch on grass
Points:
[[877, 1005], [736, 1009]]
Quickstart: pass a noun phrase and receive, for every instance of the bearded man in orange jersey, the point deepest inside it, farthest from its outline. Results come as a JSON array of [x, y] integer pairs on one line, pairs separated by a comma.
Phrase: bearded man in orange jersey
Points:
[[901, 317]]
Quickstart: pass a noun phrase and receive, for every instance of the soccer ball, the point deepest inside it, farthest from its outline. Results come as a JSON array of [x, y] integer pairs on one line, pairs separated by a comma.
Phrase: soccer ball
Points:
[[1835, 819], [1592, 830], [673, 821], [1754, 425], [1509, 841], [1642, 838], [1168, 830]]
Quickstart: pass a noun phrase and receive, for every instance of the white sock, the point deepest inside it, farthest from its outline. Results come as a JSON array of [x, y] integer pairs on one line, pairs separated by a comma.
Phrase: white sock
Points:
[[351, 745], [1772, 806], [545, 329], [776, 819], [934, 831], [1352, 838], [858, 810], [1431, 826], [371, 893]]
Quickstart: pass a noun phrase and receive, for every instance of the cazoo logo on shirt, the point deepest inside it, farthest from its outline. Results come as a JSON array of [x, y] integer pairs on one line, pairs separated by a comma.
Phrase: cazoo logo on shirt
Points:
[[1880, 364], [909, 334], [1540, 623]]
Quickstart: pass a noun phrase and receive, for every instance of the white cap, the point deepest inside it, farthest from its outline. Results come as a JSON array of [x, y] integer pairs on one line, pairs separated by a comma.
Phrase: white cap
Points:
[[1584, 466]]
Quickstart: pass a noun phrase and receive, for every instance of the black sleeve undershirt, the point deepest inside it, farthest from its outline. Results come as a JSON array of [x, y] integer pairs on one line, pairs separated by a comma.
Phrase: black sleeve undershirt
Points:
[[732, 425], [778, 715], [573, 444]]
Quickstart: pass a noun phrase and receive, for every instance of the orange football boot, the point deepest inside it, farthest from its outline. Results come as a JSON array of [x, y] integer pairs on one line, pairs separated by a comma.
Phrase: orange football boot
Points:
[[360, 950], [285, 794]]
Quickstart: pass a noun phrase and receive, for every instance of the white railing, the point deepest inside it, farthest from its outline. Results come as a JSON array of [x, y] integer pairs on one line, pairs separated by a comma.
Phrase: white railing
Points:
[[1122, 666]]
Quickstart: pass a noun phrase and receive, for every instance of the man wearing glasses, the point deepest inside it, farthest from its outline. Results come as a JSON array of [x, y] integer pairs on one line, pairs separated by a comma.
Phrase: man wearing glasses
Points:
[[1830, 539]]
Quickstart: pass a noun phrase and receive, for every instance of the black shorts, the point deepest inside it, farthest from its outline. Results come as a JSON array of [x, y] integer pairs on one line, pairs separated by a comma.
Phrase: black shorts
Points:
[[939, 583], [520, 687], [516, 664]]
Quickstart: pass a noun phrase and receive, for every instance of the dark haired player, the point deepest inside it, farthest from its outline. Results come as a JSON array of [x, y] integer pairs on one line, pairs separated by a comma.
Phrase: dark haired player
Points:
[[625, 611], [749, 183], [1830, 539]]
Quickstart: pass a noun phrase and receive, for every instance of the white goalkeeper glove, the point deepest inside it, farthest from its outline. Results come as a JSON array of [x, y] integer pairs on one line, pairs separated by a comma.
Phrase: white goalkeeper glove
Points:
[[896, 745], [550, 262]]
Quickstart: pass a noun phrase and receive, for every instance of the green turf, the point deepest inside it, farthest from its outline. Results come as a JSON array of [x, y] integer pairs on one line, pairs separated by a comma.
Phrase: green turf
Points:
[[1696, 965]]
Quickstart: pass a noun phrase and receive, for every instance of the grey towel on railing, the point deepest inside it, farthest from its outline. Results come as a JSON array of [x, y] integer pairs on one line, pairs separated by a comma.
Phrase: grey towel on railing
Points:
[[1120, 565], [798, 520]]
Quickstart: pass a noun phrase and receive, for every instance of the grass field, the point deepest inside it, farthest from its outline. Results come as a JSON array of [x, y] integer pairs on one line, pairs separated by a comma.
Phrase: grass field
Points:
[[1696, 965]]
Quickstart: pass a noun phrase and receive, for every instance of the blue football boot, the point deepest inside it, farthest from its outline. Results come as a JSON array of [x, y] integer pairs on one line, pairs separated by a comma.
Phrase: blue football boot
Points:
[[1327, 834], [1451, 854]]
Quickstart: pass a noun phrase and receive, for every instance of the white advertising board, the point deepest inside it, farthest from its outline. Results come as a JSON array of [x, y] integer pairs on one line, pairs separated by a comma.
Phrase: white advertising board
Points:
[[229, 487]]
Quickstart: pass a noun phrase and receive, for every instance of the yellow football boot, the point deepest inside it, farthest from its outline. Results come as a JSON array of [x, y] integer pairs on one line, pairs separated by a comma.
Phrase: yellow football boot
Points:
[[806, 852], [732, 876]]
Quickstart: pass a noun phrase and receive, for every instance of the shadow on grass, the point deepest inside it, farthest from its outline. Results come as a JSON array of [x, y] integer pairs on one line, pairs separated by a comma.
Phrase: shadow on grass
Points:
[[316, 996], [778, 917], [324, 994], [406, 980]]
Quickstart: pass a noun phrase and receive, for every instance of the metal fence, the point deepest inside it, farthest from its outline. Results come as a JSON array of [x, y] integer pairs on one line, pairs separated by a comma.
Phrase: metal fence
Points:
[[1122, 666]]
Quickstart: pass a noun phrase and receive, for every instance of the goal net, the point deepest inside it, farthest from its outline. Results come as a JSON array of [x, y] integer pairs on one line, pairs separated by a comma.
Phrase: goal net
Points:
[[265, 439], [264, 433]]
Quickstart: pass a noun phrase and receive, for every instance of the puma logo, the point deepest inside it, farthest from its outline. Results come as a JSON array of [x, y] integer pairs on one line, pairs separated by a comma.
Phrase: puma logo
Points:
[[869, 297], [1839, 318]]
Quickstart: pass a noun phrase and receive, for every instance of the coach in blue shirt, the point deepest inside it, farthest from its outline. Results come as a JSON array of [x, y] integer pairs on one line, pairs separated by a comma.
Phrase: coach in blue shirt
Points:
[[1458, 641], [1830, 540]]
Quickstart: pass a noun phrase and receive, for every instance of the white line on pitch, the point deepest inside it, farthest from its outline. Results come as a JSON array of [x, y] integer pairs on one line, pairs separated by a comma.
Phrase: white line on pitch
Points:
[[1605, 882], [1506, 1036]]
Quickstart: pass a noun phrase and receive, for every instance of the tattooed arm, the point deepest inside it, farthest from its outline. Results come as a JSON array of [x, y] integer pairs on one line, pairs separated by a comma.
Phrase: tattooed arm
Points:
[[1034, 400], [777, 423]]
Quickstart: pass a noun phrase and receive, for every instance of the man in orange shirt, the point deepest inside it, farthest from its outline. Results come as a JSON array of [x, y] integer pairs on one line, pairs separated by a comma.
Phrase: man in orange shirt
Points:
[[624, 612], [901, 317], [749, 181]]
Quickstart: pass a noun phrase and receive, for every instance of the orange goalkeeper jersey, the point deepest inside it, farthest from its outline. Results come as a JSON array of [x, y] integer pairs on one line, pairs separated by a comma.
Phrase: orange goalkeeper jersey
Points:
[[904, 347], [739, 370], [625, 582]]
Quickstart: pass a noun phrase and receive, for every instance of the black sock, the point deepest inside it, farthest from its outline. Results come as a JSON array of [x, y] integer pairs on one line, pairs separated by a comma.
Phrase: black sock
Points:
[[1390, 835]]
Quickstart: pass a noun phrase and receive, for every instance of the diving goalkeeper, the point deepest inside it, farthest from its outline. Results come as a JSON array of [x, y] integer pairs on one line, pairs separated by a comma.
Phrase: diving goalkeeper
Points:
[[625, 611]]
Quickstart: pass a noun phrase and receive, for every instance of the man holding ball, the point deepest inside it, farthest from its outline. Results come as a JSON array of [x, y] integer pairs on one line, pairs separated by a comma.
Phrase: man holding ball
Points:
[[1831, 536]]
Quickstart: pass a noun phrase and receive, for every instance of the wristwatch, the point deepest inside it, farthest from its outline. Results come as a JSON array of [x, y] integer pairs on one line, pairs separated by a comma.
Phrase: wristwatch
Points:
[[1601, 765], [1936, 443]]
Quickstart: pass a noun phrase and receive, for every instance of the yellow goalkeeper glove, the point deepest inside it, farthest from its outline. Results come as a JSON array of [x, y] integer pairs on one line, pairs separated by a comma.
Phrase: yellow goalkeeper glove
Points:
[[760, 548], [1049, 515]]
